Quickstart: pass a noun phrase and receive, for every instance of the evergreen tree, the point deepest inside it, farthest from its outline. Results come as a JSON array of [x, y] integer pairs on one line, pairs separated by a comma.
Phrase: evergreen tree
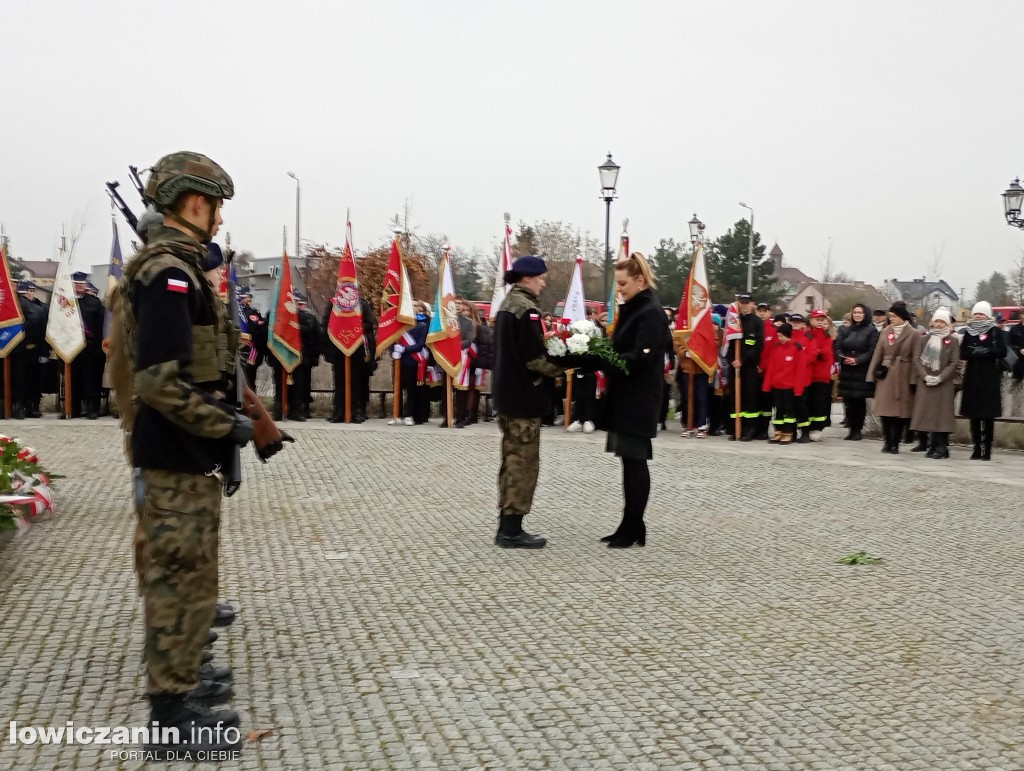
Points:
[[727, 266], [466, 274], [670, 265]]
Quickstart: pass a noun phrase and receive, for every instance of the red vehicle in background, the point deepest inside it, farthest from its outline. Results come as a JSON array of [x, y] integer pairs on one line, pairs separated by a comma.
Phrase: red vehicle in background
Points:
[[592, 305]]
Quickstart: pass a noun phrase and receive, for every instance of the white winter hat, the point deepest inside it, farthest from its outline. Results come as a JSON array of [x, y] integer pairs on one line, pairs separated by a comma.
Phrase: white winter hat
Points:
[[982, 307], [942, 315]]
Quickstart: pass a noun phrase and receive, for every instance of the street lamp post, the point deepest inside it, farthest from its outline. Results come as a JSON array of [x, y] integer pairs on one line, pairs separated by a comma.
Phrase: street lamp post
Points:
[[696, 230], [750, 250], [298, 191], [1012, 199], [609, 173]]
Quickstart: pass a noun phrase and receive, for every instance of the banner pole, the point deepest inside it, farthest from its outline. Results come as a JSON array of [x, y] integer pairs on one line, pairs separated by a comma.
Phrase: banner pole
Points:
[[689, 401], [397, 377], [7, 387], [568, 396], [67, 389], [737, 401], [284, 393], [348, 389], [450, 411]]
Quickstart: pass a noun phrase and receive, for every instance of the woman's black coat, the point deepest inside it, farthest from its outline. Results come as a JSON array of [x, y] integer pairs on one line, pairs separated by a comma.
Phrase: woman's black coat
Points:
[[857, 341], [640, 337], [982, 395]]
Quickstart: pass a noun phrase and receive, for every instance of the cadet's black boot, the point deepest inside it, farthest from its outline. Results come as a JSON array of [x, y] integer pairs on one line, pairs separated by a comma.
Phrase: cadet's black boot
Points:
[[225, 615], [922, 442], [337, 416], [211, 638], [34, 410], [197, 729], [941, 451], [512, 536], [215, 674], [805, 436], [92, 409], [17, 411], [209, 692]]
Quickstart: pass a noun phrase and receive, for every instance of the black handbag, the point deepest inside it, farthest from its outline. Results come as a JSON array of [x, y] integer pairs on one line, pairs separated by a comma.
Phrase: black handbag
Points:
[[881, 371]]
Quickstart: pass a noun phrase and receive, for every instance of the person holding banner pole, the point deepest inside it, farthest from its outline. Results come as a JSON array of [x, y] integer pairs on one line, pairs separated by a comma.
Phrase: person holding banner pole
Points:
[[747, 381]]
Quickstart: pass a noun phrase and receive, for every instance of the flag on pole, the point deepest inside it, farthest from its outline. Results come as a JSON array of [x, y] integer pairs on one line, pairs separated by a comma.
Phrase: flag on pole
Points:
[[345, 324], [733, 326], [443, 337], [693, 322], [283, 339], [114, 273], [575, 303], [12, 323], [396, 311], [613, 303], [64, 330], [243, 325], [504, 264]]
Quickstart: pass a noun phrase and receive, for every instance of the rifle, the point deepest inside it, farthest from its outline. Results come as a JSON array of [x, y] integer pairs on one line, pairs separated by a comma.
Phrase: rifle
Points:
[[119, 202], [233, 477]]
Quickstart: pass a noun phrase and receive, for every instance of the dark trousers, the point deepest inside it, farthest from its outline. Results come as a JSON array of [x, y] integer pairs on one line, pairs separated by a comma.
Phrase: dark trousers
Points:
[[360, 385], [750, 398], [459, 408], [819, 404], [784, 402], [86, 380], [701, 394], [250, 374], [856, 411], [415, 396], [982, 433], [294, 390], [584, 394], [26, 377]]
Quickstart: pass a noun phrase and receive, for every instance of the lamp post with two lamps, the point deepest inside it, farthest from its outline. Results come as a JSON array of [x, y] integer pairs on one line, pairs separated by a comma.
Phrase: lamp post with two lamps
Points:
[[1012, 199]]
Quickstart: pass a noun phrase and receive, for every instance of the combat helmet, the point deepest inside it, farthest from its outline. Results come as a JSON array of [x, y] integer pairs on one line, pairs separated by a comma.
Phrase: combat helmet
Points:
[[186, 172]]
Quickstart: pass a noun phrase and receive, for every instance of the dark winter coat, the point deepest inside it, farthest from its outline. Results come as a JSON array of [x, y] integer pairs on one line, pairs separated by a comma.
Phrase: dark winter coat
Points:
[[522, 373], [983, 376], [484, 347], [857, 341], [641, 338]]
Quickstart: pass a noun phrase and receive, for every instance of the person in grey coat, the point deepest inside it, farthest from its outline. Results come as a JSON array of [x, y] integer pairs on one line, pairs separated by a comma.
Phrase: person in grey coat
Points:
[[936, 360], [893, 375]]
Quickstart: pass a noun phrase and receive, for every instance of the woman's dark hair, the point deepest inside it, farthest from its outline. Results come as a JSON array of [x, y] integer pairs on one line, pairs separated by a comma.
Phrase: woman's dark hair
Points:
[[867, 314]]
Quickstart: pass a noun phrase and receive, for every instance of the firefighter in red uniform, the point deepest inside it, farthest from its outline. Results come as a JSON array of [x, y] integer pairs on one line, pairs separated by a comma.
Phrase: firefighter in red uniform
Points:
[[785, 378]]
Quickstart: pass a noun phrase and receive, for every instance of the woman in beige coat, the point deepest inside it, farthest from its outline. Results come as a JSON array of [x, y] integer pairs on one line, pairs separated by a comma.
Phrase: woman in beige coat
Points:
[[892, 372], [936, 359]]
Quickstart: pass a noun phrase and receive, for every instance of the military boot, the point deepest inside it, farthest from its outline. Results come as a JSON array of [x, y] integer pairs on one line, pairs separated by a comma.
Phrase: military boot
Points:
[[208, 671], [512, 536], [182, 730], [210, 692], [17, 411], [225, 615]]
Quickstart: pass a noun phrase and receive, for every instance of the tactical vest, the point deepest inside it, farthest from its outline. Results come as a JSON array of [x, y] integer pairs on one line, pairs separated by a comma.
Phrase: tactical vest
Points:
[[214, 347]]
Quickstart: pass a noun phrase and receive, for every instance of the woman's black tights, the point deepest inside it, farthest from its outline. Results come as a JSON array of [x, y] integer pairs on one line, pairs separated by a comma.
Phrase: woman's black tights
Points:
[[636, 486]]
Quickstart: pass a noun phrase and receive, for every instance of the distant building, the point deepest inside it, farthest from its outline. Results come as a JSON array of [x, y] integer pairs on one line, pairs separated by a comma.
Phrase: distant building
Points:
[[924, 297], [42, 273], [787, 279], [815, 294]]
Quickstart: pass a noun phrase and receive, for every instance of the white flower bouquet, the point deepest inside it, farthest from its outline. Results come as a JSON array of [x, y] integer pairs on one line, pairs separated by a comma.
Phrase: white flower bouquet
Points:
[[582, 346]]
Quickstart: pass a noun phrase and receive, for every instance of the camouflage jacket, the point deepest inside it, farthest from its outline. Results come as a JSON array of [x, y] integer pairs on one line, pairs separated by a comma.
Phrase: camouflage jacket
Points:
[[183, 350]]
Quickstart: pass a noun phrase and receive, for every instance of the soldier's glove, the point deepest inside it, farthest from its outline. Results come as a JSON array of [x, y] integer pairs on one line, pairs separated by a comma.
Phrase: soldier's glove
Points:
[[268, 450], [241, 432], [268, 439]]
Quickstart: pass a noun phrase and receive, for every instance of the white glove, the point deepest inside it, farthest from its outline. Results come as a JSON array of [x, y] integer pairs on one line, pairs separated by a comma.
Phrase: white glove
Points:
[[396, 352], [396, 355], [932, 380]]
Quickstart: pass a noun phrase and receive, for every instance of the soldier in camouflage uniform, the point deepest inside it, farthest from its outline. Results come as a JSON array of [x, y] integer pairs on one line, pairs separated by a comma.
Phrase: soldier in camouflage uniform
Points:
[[521, 369], [181, 350]]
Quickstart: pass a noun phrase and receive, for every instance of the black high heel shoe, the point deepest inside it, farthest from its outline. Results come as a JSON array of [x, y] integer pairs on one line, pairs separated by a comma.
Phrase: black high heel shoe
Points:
[[638, 536], [616, 534]]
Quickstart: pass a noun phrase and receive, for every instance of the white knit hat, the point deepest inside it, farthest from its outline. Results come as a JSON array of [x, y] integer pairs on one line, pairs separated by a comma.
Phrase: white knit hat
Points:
[[942, 315], [982, 307]]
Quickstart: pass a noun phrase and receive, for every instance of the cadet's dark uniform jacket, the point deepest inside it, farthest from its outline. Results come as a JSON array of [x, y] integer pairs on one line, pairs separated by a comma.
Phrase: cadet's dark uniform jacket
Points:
[[182, 425], [520, 361]]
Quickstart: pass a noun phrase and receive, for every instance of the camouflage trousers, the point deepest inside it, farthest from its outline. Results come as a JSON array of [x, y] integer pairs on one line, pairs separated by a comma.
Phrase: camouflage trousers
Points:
[[176, 543], [520, 463]]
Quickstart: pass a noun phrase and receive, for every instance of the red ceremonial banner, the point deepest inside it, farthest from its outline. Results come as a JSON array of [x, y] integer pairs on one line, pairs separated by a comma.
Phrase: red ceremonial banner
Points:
[[345, 325], [396, 311]]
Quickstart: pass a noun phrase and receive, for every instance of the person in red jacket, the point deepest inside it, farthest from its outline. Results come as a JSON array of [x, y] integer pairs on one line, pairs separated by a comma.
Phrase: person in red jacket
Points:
[[770, 325], [785, 378], [820, 357]]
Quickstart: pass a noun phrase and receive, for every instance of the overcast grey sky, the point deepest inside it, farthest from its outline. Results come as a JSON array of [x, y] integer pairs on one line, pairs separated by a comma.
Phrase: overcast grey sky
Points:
[[891, 127]]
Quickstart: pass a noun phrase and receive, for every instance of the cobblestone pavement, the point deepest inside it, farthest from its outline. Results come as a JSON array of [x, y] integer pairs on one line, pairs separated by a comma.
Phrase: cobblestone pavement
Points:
[[380, 628]]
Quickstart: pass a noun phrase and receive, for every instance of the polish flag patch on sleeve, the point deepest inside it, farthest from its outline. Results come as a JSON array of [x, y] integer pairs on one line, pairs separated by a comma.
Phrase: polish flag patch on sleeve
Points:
[[534, 317], [177, 285]]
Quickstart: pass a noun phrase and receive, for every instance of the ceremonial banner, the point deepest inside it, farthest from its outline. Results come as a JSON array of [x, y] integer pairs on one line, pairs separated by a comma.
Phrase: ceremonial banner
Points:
[[693, 322], [443, 337], [733, 326], [575, 303], [243, 325], [12, 323], [345, 325], [396, 311], [64, 325], [504, 264], [114, 273], [283, 339], [613, 303]]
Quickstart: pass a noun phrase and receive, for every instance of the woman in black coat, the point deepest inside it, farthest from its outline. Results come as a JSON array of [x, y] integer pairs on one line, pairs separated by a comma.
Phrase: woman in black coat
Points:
[[633, 399], [854, 347], [984, 349]]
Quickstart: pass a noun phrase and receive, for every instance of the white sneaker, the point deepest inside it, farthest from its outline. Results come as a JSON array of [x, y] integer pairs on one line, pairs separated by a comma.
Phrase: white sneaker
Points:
[[408, 421], [588, 427], [573, 427], [815, 436], [395, 422]]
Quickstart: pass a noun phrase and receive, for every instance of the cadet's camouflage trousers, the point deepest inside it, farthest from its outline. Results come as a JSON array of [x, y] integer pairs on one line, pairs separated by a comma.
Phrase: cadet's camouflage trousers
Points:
[[176, 543], [520, 463]]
